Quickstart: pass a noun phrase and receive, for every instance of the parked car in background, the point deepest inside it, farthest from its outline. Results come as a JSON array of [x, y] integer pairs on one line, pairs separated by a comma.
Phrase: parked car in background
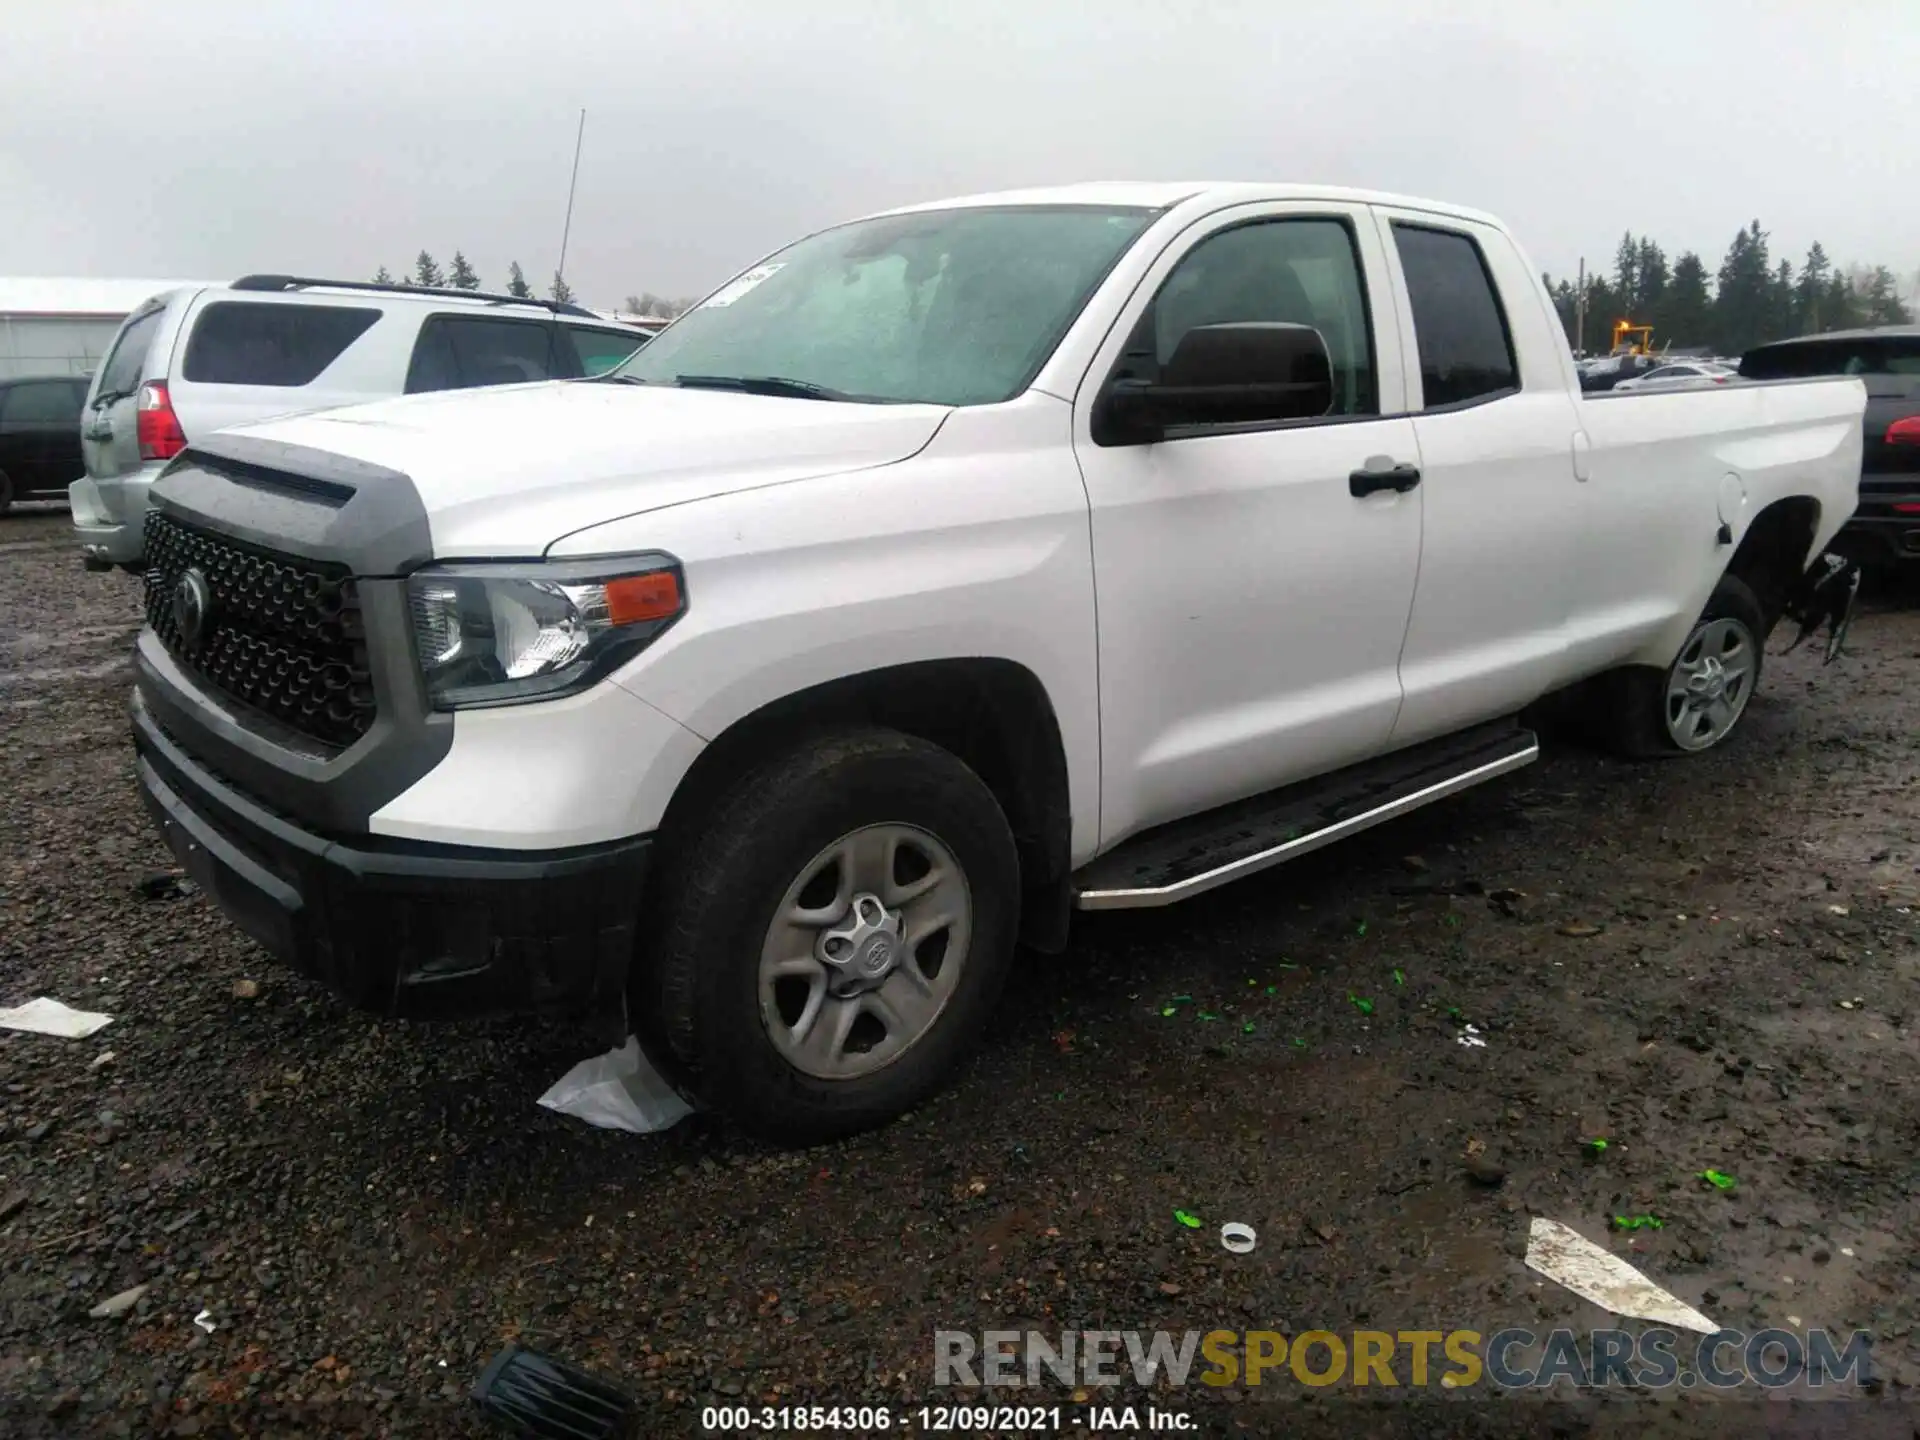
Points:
[[198, 359], [40, 436], [942, 573], [1686, 372], [1885, 530]]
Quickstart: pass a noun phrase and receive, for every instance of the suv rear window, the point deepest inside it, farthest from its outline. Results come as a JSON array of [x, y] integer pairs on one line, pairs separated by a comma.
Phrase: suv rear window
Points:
[[121, 374], [241, 342], [1806, 359]]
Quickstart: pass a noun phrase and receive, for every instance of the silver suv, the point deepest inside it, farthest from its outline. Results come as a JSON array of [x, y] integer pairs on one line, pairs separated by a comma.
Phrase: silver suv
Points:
[[202, 358]]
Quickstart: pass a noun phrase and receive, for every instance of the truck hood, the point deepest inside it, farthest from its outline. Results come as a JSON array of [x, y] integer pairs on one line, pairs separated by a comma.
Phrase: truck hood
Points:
[[505, 472]]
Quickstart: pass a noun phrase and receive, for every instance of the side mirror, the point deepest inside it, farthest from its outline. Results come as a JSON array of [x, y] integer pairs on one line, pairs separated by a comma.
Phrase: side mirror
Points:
[[1234, 374]]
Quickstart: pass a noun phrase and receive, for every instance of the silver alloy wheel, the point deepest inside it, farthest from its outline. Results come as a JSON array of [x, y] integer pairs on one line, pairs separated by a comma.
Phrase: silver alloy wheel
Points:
[[1710, 683], [864, 951]]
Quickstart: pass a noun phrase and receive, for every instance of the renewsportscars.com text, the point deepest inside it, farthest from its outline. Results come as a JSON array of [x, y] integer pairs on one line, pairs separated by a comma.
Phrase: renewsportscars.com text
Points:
[[1510, 1359]]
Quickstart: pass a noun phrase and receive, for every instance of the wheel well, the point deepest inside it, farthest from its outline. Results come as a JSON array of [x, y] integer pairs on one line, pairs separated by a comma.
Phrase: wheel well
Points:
[[993, 714], [1773, 553]]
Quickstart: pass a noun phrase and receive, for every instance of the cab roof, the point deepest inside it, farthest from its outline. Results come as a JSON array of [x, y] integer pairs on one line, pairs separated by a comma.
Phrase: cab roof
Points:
[[1211, 195]]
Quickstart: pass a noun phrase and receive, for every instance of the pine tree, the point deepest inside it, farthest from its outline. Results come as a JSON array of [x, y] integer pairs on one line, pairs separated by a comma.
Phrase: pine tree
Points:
[[517, 282], [382, 276], [425, 272], [1810, 290], [1881, 299], [1688, 311], [560, 294], [460, 274], [1626, 276], [1743, 302], [1653, 277]]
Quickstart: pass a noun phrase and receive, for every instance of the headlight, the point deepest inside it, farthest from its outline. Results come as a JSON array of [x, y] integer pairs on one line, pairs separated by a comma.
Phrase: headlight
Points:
[[498, 634]]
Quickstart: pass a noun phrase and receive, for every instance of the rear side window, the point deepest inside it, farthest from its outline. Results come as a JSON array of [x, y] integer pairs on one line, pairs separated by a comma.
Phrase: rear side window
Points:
[[121, 374], [39, 404], [1459, 329], [456, 352], [240, 342], [600, 350]]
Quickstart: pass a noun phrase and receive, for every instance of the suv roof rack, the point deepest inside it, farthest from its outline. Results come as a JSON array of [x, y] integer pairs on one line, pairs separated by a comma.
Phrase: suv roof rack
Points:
[[444, 292]]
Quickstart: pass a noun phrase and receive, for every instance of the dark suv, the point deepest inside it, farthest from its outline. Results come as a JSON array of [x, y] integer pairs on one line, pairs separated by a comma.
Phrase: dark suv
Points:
[[1886, 528]]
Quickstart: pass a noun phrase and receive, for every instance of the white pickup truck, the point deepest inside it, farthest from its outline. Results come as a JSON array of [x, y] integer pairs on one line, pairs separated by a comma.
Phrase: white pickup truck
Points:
[[946, 571]]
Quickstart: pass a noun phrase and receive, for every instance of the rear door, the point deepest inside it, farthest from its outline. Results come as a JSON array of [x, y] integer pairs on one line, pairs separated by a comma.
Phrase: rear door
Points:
[[110, 441], [1494, 417], [460, 352]]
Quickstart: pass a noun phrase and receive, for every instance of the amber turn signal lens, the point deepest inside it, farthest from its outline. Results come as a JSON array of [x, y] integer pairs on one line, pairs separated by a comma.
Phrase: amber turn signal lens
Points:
[[634, 599]]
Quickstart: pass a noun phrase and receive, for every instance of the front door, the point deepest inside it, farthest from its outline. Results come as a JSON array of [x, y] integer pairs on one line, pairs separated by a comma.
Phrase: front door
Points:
[[1251, 605]]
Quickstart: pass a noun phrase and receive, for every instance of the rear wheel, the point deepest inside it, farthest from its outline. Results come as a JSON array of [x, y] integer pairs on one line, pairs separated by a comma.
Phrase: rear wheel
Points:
[[1700, 699], [6, 493], [831, 942]]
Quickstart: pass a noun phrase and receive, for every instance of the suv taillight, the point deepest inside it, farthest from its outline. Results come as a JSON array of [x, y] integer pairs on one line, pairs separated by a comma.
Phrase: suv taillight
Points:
[[1904, 432], [161, 437]]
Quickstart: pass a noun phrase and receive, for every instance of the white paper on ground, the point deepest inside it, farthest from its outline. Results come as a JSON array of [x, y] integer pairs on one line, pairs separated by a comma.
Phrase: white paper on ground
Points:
[[42, 1016], [1568, 1258], [619, 1090]]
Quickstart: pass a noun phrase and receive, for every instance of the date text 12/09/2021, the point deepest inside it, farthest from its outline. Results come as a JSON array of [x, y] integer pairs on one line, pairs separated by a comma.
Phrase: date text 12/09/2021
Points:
[[945, 1419]]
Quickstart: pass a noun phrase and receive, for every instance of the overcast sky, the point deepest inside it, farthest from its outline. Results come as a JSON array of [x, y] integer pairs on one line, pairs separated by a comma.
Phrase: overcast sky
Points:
[[205, 138]]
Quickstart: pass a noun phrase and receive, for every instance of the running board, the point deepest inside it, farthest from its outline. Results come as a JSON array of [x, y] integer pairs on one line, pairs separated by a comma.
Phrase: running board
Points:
[[1190, 857]]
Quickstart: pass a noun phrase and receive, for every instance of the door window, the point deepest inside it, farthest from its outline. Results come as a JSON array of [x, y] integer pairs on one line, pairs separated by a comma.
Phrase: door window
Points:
[[598, 351], [1292, 271], [1459, 329], [39, 405], [458, 352]]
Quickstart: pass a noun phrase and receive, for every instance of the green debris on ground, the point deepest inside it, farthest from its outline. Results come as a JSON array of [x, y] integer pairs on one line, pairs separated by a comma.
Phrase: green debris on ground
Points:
[[1638, 1222], [1399, 977], [1718, 1180], [1192, 1222], [1596, 1146], [1360, 1003]]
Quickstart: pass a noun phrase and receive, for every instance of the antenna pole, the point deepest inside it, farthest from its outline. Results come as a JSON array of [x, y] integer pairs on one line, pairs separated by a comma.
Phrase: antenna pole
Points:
[[567, 230]]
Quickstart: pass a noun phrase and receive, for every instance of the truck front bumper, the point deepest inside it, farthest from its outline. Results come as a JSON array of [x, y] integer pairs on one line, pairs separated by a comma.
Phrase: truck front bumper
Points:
[[403, 928]]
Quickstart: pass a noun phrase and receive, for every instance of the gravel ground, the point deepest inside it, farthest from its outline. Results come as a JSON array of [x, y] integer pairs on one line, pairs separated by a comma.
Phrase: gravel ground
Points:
[[1712, 963]]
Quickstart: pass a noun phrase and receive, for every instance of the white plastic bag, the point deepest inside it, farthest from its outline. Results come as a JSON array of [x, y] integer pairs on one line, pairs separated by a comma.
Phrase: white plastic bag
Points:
[[44, 1016], [619, 1090]]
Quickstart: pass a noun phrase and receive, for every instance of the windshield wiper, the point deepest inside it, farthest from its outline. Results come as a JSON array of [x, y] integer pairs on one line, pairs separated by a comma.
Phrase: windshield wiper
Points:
[[611, 379], [761, 385]]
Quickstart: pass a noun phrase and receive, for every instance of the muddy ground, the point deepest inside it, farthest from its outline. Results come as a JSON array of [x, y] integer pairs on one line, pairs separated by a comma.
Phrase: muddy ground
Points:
[[1711, 963]]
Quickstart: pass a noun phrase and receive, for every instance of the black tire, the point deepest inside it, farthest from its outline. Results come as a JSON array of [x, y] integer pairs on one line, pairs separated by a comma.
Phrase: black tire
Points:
[[6, 492], [695, 998], [1637, 713]]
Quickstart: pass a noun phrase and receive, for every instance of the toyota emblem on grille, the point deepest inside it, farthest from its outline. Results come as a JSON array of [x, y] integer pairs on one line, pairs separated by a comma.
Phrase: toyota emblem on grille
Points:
[[192, 605]]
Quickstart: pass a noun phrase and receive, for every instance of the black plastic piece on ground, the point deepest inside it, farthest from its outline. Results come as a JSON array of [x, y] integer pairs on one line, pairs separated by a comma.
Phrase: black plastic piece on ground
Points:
[[546, 1399]]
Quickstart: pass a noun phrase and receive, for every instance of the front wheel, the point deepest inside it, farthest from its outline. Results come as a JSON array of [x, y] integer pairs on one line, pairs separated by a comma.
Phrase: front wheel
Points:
[[834, 937], [1700, 699]]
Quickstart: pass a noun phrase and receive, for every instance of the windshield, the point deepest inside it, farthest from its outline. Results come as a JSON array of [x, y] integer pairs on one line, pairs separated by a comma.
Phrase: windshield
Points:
[[945, 307]]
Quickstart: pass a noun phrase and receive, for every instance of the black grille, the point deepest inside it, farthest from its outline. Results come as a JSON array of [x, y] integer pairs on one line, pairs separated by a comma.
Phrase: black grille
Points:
[[280, 635]]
